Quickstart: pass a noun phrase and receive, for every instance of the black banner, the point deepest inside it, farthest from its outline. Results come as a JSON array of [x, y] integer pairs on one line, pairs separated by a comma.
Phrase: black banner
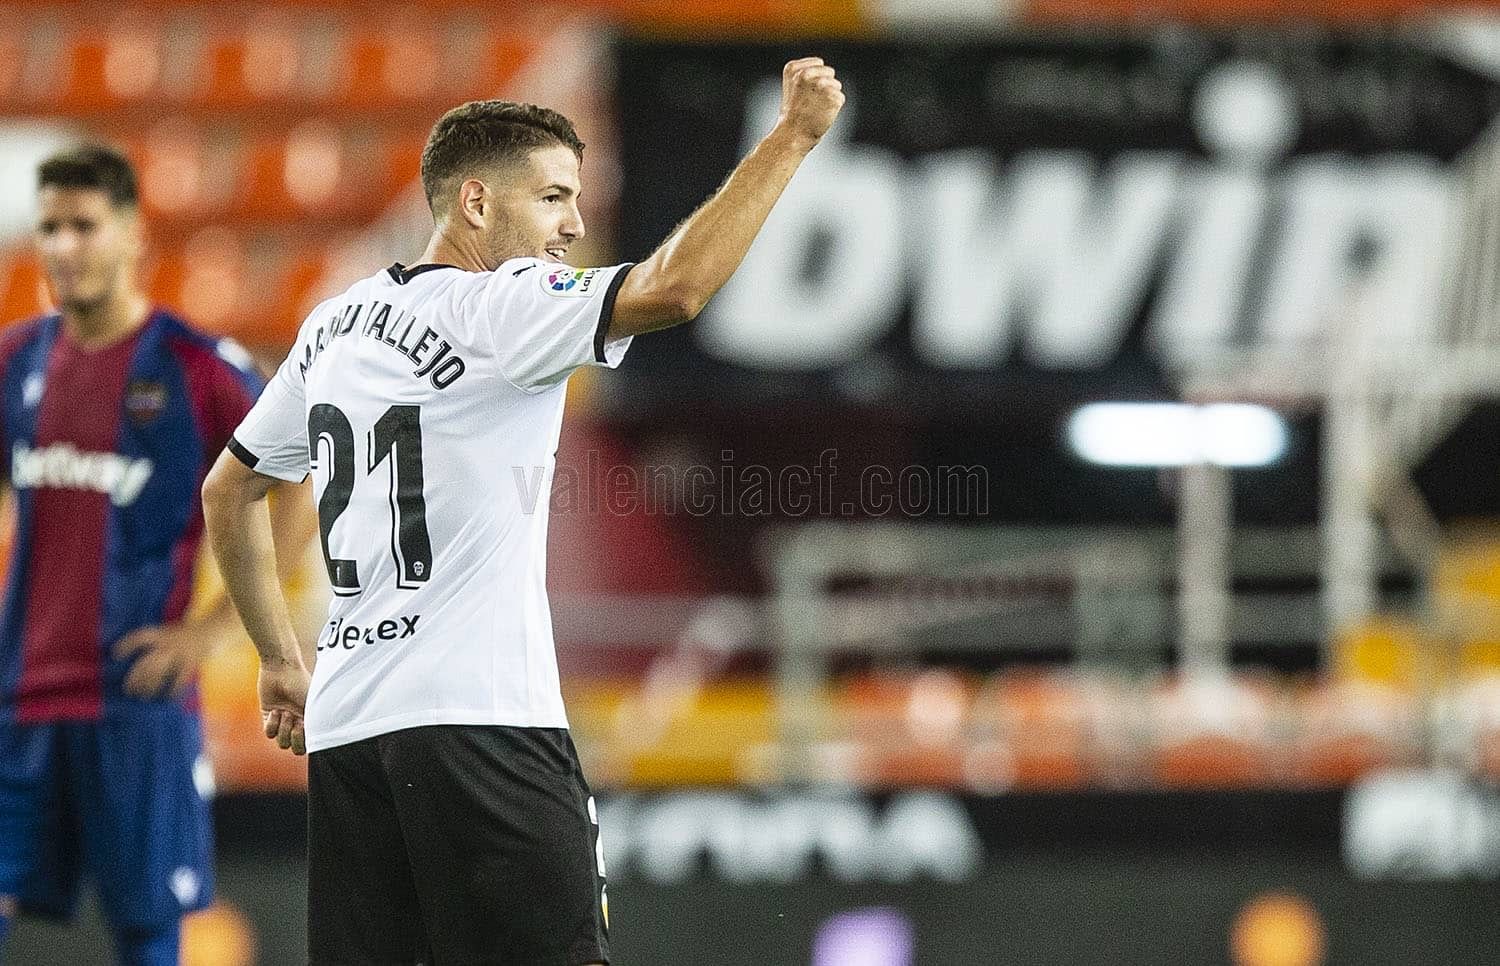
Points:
[[999, 230], [1044, 218], [1400, 870]]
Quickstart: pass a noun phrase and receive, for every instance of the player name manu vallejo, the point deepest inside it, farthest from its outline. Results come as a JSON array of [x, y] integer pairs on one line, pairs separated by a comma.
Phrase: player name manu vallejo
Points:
[[434, 357]]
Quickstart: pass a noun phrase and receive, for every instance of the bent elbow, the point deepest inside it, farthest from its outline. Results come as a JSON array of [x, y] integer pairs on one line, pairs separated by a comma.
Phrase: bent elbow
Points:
[[652, 298], [681, 305]]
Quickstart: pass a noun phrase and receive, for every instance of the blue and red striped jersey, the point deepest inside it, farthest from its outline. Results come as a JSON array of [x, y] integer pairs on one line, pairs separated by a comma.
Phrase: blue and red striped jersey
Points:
[[105, 451]]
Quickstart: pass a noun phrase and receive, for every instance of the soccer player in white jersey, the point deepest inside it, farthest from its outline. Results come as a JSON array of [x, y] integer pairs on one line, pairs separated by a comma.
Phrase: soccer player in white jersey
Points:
[[448, 819]]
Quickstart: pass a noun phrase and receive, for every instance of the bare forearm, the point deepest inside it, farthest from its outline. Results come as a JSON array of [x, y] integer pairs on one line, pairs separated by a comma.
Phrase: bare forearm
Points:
[[673, 285], [704, 251], [294, 523], [239, 529]]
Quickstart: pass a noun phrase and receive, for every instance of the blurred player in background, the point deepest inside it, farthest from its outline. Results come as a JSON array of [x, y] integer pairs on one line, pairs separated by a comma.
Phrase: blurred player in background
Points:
[[111, 411], [448, 817]]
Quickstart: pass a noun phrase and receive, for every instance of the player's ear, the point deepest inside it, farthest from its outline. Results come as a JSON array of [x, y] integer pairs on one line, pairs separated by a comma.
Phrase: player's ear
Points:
[[474, 202]]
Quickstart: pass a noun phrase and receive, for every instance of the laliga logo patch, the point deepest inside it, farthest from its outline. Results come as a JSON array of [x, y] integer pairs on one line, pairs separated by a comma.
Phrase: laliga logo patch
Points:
[[562, 279], [567, 282]]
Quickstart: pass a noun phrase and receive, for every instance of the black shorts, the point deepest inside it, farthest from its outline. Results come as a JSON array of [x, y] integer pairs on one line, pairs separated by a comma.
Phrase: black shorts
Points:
[[454, 845]]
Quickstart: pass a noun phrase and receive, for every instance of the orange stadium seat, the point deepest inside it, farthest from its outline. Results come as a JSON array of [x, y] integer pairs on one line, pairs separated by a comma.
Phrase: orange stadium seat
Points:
[[913, 764], [1031, 730], [225, 77], [931, 706], [1213, 761], [316, 170], [261, 191], [1337, 760], [870, 704], [273, 58], [249, 65], [402, 165], [269, 125], [289, 176], [1345, 729], [163, 272], [394, 64], [216, 288], [102, 70], [489, 62], [12, 60], [904, 729], [172, 166], [80, 76], [1214, 734], [319, 169], [25, 289], [300, 277], [286, 278], [134, 60]]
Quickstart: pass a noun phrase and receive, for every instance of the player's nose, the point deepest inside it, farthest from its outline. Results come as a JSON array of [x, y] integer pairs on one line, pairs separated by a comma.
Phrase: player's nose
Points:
[[573, 228]]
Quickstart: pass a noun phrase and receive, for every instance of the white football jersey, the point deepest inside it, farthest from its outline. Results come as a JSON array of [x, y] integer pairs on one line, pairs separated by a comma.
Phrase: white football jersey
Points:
[[427, 403]]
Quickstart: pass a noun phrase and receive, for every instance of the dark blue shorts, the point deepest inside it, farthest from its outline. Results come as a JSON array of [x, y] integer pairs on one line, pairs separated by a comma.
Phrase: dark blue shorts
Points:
[[124, 801]]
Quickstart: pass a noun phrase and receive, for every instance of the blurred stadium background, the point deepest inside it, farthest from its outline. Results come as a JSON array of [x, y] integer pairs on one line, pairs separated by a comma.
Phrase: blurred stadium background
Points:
[[1073, 538]]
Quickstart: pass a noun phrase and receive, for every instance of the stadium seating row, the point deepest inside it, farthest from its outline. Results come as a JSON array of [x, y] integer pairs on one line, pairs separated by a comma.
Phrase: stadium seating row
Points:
[[1057, 731], [1029, 731], [830, 16], [274, 61], [815, 17], [268, 141], [1394, 695], [314, 174]]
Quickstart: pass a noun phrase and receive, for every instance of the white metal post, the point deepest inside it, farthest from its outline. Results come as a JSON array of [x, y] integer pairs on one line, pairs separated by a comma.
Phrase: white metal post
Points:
[[1347, 473], [1205, 516]]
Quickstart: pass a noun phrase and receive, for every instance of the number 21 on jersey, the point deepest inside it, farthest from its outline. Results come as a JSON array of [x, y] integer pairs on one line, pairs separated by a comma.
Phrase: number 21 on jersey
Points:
[[394, 440]]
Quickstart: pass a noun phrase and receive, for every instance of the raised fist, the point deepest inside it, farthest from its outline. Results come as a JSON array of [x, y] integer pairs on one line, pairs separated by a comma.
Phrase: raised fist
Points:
[[811, 97]]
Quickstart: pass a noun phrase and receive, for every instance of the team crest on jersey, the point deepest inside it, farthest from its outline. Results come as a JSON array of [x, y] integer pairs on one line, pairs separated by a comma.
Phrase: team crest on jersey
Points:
[[144, 400], [573, 283]]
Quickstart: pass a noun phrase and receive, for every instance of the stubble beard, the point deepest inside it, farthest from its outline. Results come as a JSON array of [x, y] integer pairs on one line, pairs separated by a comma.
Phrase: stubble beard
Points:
[[507, 245]]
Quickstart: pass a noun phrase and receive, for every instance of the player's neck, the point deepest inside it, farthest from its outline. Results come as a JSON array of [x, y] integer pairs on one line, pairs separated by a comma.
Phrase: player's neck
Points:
[[107, 322], [442, 250]]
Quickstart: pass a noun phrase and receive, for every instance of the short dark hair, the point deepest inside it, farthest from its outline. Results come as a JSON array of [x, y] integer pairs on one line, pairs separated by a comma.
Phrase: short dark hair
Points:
[[93, 166], [484, 133]]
